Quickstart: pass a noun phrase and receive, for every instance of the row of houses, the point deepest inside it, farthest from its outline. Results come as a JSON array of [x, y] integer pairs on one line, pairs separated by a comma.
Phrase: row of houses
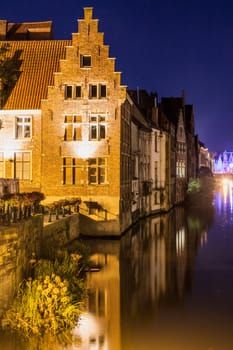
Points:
[[68, 127]]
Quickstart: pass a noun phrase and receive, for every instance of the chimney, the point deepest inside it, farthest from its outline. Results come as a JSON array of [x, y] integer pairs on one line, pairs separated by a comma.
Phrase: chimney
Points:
[[3, 29], [88, 11]]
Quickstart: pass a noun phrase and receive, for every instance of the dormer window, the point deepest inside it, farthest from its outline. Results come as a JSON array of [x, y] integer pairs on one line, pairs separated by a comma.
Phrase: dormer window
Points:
[[85, 61]]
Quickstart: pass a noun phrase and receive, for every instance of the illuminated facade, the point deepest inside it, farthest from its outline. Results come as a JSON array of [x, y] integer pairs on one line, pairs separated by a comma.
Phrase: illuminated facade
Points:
[[70, 128], [223, 163]]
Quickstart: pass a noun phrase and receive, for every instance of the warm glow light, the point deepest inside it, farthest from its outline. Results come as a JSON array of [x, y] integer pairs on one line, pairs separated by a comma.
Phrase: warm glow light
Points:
[[226, 182], [90, 330], [84, 149], [10, 147], [180, 240]]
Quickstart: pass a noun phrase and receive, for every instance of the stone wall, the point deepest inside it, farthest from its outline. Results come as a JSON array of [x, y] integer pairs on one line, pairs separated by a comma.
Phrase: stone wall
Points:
[[18, 242]]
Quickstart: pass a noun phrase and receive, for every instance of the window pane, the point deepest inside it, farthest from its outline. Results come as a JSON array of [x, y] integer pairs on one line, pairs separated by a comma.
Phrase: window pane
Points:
[[92, 161], [93, 132], [69, 176], [101, 175], [78, 91], [1, 164], [68, 119], [78, 133], [26, 156], [93, 90], [102, 118], [19, 131], [69, 91], [86, 61], [102, 131], [69, 132], [103, 91], [22, 165], [92, 175], [18, 171], [78, 119], [101, 161], [27, 131], [18, 156], [26, 171], [23, 127]]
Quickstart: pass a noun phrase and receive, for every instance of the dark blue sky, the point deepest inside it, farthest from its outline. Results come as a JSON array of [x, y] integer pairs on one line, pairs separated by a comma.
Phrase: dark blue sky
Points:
[[160, 45]]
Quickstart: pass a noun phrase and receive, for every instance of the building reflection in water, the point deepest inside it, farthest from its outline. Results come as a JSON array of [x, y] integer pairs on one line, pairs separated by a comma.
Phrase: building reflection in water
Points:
[[99, 327], [150, 268]]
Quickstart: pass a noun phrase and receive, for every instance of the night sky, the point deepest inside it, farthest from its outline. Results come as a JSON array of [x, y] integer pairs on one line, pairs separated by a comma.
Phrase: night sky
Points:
[[160, 45]]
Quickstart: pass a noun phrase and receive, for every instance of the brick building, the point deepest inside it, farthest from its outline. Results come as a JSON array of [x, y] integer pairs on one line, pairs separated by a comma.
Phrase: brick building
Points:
[[68, 127], [62, 120]]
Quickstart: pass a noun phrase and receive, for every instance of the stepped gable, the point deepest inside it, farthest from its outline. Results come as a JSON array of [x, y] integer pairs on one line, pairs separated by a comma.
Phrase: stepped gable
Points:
[[144, 101], [170, 107], [36, 61]]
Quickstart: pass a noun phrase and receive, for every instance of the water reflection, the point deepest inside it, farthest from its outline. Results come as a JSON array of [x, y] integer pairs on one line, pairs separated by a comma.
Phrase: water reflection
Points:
[[166, 285], [149, 270]]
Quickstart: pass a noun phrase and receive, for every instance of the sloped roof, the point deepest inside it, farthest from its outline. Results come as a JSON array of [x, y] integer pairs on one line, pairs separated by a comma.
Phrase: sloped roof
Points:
[[36, 61], [144, 101], [171, 107], [29, 31], [189, 118]]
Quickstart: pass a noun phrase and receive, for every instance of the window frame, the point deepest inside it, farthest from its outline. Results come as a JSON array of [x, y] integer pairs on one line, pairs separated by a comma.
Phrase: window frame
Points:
[[70, 171], [73, 89], [23, 124], [23, 164], [97, 170], [98, 91], [97, 121], [74, 125], [2, 164], [84, 61]]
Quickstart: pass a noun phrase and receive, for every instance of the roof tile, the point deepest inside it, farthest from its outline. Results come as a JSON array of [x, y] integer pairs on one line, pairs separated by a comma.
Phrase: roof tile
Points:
[[37, 61]]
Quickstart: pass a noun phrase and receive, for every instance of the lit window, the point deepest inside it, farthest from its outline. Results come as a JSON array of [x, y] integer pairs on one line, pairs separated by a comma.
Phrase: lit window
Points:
[[97, 170], [1, 164], [73, 128], [22, 165], [97, 127], [73, 91], [156, 143], [85, 61], [156, 198], [156, 172], [23, 127], [73, 173], [180, 169]]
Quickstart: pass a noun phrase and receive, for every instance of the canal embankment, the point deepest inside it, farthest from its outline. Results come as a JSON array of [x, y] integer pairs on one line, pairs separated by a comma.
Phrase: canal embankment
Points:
[[21, 242]]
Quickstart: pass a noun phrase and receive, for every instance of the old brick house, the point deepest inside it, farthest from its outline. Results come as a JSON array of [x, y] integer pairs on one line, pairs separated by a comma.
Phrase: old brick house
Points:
[[68, 127], [65, 126]]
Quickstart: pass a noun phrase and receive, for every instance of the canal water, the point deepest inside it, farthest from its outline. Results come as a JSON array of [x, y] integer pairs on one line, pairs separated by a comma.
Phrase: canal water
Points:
[[166, 285]]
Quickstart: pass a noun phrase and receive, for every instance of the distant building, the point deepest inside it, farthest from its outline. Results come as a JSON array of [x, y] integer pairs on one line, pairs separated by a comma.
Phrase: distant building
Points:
[[223, 163]]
